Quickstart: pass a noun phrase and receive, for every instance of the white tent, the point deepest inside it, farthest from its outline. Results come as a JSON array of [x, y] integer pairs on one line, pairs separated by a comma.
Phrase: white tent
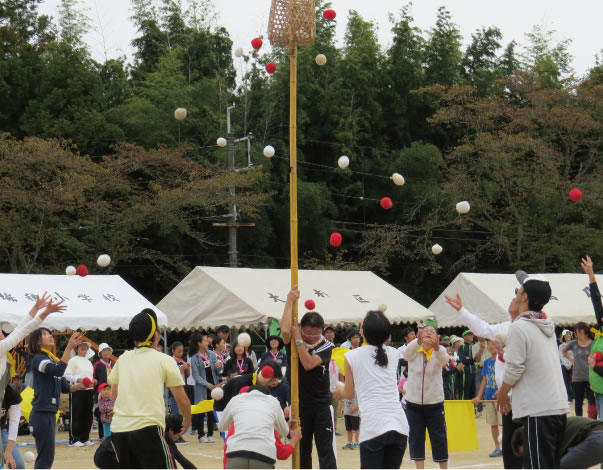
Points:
[[93, 302], [489, 296], [242, 297]]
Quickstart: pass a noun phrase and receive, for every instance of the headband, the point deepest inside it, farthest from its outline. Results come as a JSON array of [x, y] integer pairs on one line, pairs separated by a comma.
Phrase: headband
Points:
[[147, 342]]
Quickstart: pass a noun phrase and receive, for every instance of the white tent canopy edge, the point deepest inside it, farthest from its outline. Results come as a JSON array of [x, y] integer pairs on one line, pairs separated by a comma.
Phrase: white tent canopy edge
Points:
[[94, 302], [489, 295], [244, 297]]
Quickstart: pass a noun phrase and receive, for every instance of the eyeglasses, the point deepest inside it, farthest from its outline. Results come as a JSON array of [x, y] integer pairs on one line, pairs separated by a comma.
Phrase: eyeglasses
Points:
[[310, 336], [516, 290]]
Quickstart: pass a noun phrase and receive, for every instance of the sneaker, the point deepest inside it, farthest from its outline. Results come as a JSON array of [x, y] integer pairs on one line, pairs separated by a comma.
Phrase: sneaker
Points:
[[497, 453], [89, 443], [356, 445], [203, 439], [181, 441], [77, 444], [337, 433], [349, 445], [210, 439]]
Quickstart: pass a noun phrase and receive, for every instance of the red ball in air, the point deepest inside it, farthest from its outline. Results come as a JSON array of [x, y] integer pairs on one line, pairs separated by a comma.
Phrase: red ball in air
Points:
[[575, 194], [386, 203], [270, 67], [256, 43], [82, 270], [310, 305], [329, 14], [335, 239]]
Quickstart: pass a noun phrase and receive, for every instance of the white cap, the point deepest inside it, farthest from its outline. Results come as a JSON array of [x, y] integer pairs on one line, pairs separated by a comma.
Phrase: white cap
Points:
[[103, 346], [524, 277]]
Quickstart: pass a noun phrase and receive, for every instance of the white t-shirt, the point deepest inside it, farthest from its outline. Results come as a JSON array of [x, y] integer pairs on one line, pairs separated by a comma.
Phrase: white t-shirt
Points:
[[377, 392]]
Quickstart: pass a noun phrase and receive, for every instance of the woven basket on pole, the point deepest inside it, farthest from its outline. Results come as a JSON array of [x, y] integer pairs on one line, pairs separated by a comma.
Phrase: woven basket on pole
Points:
[[292, 23]]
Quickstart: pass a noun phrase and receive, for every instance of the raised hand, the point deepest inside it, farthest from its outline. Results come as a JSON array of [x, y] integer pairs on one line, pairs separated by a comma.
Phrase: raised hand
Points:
[[52, 308], [454, 302], [587, 265], [40, 303], [75, 339], [293, 295]]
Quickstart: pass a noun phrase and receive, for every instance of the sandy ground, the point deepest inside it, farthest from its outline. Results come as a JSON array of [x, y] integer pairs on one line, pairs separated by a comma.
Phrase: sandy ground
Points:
[[210, 455]]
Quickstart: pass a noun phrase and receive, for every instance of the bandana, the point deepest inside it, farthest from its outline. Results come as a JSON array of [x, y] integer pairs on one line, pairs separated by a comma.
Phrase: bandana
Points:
[[530, 315], [427, 353], [49, 354]]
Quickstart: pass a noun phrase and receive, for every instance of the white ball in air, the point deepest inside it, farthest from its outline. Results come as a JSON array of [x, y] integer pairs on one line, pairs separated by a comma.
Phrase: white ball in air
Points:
[[382, 308], [463, 207], [180, 114], [70, 270], [436, 249], [321, 59], [398, 179], [343, 162], [239, 52], [221, 142], [103, 261], [217, 393], [244, 340], [269, 151]]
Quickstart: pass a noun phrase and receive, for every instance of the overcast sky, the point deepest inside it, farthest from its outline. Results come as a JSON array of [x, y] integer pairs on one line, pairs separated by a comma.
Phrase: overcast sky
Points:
[[579, 21]]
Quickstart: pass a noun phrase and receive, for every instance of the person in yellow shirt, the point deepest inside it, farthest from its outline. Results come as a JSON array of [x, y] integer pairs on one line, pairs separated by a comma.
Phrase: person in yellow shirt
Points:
[[138, 380]]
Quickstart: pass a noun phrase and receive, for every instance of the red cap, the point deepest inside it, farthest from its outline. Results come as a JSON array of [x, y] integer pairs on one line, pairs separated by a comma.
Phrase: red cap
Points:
[[267, 372], [103, 385]]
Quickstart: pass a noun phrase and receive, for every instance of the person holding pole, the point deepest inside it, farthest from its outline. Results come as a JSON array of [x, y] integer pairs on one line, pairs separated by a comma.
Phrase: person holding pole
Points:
[[315, 411]]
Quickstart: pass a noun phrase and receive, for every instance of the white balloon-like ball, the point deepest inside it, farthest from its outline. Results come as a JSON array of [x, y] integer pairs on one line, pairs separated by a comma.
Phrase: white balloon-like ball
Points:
[[269, 151], [398, 179], [221, 142], [180, 114], [244, 340], [103, 261], [436, 249], [217, 393], [343, 162], [321, 59], [29, 456], [382, 308], [70, 270], [463, 207], [239, 52]]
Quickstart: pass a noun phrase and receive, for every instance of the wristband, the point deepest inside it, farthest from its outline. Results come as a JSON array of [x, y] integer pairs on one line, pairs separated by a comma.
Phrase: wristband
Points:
[[298, 342]]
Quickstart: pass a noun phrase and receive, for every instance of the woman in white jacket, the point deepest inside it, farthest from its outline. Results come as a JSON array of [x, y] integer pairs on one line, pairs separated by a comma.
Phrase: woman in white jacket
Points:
[[425, 397], [26, 326]]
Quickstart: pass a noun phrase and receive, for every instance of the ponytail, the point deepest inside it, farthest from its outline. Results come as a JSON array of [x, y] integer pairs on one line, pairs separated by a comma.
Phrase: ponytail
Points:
[[376, 330], [381, 357]]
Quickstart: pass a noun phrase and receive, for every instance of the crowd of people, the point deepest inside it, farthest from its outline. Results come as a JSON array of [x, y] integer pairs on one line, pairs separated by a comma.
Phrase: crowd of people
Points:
[[519, 373]]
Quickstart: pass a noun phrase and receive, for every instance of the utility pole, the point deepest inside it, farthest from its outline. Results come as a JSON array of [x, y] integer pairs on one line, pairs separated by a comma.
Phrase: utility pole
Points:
[[232, 228], [233, 215]]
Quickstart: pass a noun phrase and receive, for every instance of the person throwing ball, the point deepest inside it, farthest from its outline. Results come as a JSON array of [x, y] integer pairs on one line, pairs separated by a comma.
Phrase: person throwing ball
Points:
[[138, 380]]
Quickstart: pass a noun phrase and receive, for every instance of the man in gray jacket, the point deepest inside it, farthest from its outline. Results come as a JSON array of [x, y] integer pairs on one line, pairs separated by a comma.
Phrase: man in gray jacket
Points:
[[532, 371]]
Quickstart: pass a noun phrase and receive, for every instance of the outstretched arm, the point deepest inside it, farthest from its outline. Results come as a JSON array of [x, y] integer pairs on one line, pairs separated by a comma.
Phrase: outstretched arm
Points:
[[595, 295], [478, 326]]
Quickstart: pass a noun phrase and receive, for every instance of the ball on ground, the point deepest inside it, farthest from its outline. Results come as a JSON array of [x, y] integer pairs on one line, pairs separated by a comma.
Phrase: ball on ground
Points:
[[103, 261], [217, 393], [244, 340], [29, 456]]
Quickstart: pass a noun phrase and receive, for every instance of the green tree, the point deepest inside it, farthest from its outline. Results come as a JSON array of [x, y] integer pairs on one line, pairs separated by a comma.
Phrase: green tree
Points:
[[443, 51], [480, 63]]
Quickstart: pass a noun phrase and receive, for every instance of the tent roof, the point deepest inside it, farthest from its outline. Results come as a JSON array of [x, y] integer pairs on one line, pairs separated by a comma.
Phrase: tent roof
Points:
[[241, 297], [93, 302], [489, 296]]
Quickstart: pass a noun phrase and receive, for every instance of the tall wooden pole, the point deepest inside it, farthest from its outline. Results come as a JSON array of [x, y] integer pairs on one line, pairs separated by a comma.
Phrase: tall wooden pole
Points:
[[293, 229]]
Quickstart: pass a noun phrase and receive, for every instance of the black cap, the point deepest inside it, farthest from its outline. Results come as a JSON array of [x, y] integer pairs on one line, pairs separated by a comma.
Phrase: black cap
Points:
[[141, 325]]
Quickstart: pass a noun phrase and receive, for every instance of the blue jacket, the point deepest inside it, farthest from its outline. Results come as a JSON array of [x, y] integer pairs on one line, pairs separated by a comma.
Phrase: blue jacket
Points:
[[198, 374], [48, 383]]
